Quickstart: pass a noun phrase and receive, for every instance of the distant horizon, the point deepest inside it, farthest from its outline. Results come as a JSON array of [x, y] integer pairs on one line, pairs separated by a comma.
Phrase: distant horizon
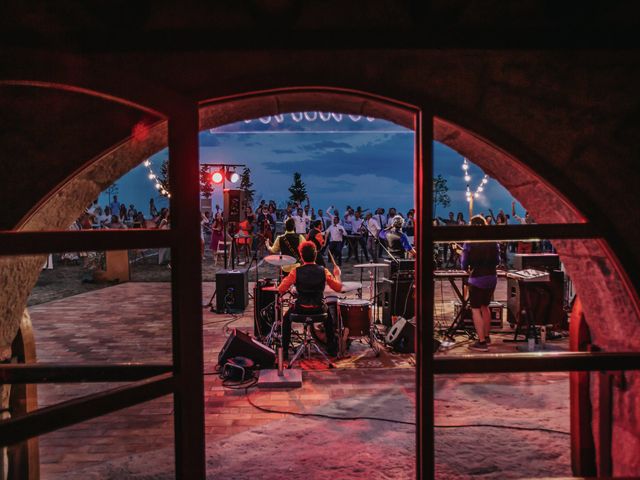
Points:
[[367, 163]]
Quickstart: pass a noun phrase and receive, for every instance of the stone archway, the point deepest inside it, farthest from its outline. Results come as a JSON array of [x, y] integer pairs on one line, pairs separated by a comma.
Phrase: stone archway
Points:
[[599, 278]]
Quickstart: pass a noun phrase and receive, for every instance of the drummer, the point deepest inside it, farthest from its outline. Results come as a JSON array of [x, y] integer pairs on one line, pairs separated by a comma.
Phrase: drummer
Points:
[[287, 244], [310, 280]]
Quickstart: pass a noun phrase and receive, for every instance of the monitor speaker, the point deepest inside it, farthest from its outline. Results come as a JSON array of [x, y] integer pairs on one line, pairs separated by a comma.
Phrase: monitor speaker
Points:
[[234, 211], [232, 290], [546, 300], [241, 344], [264, 311], [401, 336], [537, 261]]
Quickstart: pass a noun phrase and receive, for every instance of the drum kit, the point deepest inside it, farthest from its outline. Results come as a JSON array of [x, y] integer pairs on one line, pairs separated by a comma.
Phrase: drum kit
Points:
[[353, 315]]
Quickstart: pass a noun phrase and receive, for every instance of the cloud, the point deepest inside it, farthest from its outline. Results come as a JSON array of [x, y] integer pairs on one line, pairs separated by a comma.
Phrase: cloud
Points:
[[208, 140], [252, 144], [325, 145], [281, 151]]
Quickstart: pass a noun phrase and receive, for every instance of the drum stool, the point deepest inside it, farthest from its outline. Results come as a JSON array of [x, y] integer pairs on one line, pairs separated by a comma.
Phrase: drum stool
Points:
[[307, 339]]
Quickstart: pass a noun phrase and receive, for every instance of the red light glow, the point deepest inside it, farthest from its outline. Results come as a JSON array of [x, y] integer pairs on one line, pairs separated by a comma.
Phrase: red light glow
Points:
[[216, 177]]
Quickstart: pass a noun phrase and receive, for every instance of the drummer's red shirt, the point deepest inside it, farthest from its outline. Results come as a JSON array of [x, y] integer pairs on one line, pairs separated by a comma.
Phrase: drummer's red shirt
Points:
[[290, 280]]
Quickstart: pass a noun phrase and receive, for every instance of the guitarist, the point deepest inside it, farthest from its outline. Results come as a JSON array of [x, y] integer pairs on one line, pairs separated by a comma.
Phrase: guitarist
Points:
[[287, 244]]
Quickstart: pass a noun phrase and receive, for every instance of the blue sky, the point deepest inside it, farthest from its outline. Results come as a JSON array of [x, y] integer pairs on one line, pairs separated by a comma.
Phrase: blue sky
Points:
[[354, 161]]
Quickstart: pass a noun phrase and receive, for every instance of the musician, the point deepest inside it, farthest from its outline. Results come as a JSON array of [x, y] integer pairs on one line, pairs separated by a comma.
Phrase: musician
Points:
[[317, 237], [287, 244], [360, 230], [481, 258], [397, 241], [244, 237], [310, 280], [372, 227]]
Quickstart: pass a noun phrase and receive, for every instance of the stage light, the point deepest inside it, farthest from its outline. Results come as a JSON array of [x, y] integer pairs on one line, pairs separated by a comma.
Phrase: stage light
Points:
[[233, 177], [216, 177]]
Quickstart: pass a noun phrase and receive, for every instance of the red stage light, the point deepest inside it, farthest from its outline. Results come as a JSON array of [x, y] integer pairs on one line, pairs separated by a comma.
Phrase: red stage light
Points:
[[216, 177]]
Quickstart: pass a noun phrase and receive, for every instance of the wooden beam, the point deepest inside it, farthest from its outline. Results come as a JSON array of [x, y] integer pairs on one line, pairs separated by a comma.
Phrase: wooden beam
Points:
[[515, 232], [74, 373]]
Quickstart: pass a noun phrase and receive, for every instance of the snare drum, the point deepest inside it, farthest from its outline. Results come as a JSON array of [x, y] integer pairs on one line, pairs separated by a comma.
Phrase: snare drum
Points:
[[356, 316]]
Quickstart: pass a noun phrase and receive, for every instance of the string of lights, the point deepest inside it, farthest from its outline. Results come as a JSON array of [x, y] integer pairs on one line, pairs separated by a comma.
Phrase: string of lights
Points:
[[467, 178], [311, 117], [153, 178]]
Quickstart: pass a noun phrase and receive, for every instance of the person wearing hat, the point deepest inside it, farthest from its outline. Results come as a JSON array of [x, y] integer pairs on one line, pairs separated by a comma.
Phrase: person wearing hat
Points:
[[317, 237], [397, 241]]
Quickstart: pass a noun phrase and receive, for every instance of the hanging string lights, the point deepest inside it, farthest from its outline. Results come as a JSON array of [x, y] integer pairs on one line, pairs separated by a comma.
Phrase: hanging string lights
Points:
[[311, 117], [153, 178], [467, 178]]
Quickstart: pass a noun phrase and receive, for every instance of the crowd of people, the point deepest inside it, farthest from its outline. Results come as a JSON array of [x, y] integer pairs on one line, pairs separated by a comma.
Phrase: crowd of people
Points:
[[359, 231]]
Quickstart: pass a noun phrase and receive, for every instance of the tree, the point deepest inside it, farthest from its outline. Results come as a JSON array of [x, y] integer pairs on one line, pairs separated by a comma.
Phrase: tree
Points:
[[163, 179], [112, 190], [440, 195], [298, 189], [246, 184], [206, 189]]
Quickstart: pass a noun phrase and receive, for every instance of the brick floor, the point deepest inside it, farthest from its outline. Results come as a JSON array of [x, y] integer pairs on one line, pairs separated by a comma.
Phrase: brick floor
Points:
[[131, 322]]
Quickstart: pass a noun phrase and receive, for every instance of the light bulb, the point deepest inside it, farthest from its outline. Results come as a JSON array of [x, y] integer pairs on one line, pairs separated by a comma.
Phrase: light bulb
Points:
[[467, 178], [480, 189]]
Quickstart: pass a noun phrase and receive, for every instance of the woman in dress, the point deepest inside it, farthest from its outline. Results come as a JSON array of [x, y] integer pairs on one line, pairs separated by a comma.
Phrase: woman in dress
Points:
[[216, 232]]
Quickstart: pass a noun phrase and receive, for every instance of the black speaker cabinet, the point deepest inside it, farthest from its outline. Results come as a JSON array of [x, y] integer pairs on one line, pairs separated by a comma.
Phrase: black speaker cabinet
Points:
[[241, 344], [232, 290], [401, 336], [264, 311], [234, 211], [495, 309], [396, 297], [537, 261], [546, 299]]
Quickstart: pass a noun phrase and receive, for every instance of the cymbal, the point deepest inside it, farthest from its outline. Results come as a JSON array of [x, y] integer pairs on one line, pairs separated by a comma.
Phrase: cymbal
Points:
[[350, 286], [370, 265], [279, 260]]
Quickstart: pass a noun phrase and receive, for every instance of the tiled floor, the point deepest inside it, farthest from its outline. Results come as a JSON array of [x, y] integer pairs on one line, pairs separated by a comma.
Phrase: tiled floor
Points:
[[131, 322]]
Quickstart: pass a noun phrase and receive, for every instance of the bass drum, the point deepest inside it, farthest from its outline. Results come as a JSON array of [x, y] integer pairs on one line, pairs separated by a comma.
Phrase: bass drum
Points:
[[356, 316]]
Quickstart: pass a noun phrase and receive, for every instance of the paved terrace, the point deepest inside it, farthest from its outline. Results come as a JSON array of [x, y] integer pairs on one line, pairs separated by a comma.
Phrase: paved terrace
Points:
[[131, 322]]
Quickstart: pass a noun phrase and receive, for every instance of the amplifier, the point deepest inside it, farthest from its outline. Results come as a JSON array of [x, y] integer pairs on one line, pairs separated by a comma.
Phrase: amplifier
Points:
[[537, 261], [402, 265], [396, 297], [264, 312], [495, 308], [241, 344], [232, 290]]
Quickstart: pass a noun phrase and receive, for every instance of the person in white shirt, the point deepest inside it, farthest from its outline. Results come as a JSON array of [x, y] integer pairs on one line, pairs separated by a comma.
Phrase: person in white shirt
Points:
[[301, 221], [335, 234], [392, 214], [373, 229]]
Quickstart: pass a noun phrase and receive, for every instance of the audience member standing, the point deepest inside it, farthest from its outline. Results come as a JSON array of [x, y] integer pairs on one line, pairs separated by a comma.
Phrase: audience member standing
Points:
[[335, 234]]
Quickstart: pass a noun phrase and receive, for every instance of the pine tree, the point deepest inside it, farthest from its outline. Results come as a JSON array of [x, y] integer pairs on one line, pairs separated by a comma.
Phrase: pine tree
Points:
[[440, 195], [298, 189], [206, 189], [246, 184]]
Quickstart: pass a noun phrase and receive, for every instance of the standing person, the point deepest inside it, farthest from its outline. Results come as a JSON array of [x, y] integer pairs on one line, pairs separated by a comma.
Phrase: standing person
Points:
[[449, 252], [287, 244], [373, 229], [153, 211], [317, 237], [359, 229], [123, 213], [335, 234], [481, 258], [301, 221], [217, 234], [397, 241], [460, 219], [310, 280], [382, 221], [410, 226], [115, 206], [390, 217]]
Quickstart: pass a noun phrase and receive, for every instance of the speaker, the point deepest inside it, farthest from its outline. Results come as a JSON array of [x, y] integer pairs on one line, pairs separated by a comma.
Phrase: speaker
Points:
[[537, 261], [264, 308], [233, 206], [241, 344], [232, 290], [546, 300], [495, 309], [401, 336], [396, 298]]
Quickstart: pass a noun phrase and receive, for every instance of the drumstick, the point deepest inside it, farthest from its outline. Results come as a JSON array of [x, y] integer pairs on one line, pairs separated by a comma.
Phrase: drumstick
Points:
[[332, 259]]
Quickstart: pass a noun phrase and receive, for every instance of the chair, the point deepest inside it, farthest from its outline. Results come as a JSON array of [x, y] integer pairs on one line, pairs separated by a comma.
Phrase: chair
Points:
[[307, 339], [220, 251]]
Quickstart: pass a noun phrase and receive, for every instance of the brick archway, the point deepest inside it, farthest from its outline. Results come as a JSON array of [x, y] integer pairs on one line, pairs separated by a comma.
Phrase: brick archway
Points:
[[600, 279]]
